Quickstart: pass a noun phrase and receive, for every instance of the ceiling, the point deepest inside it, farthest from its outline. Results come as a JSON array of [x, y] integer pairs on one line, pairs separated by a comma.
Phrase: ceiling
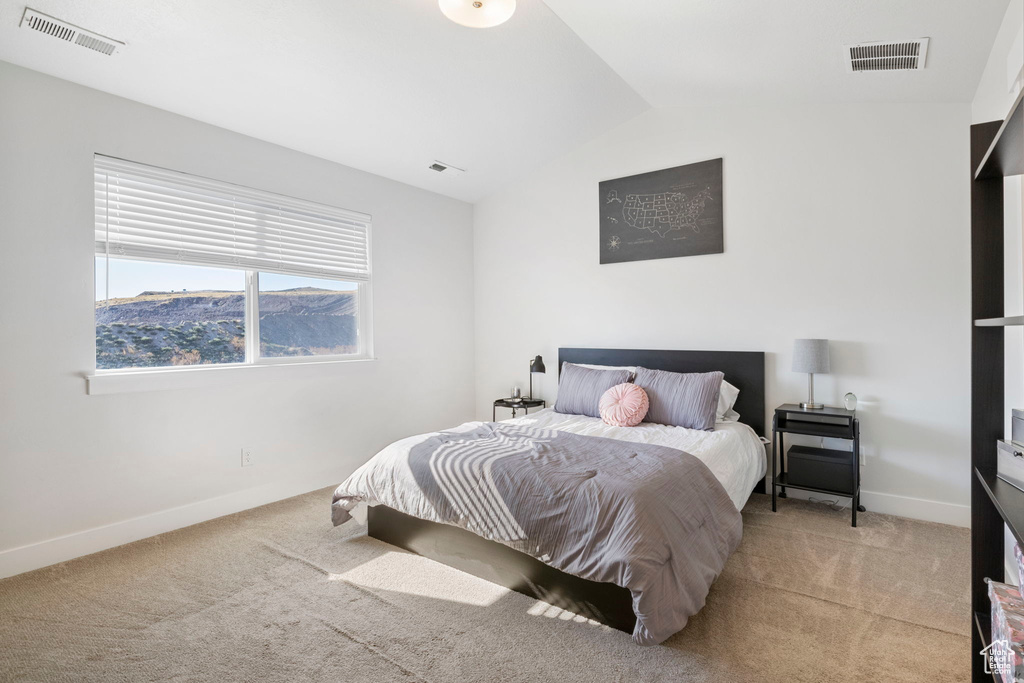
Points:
[[675, 52], [388, 86]]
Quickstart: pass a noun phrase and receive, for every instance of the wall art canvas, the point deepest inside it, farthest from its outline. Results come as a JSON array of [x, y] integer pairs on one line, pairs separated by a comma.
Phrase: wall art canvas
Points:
[[663, 214]]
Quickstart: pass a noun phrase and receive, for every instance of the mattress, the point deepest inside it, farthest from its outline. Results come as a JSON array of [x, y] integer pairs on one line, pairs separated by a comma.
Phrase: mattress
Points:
[[733, 452]]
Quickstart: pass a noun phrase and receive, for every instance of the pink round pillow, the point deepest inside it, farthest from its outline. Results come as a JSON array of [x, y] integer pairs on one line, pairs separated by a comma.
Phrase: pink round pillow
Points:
[[624, 405]]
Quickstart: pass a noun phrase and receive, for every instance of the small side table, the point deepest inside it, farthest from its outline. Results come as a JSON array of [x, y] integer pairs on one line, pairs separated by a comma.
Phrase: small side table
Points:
[[525, 404], [828, 422]]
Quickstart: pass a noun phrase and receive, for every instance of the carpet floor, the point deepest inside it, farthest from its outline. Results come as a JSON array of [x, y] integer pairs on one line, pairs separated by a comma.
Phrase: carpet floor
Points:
[[277, 594]]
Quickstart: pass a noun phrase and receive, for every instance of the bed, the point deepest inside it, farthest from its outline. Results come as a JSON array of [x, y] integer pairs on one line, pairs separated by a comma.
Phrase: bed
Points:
[[731, 465]]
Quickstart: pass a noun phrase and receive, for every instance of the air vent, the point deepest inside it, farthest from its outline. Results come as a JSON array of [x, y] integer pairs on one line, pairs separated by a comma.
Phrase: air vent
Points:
[[903, 56], [43, 23], [447, 169]]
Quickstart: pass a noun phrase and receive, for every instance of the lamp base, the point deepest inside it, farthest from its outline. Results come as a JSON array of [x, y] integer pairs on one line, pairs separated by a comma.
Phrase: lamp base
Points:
[[812, 406]]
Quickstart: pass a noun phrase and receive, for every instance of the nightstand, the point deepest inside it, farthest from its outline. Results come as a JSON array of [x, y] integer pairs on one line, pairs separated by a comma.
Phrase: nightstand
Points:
[[823, 470], [525, 404]]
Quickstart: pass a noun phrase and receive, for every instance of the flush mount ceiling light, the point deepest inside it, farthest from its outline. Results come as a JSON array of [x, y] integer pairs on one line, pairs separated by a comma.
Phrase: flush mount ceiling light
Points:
[[478, 13]]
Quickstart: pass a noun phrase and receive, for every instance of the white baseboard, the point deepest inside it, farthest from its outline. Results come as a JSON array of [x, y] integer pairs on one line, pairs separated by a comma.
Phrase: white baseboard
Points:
[[917, 508], [63, 548], [904, 506]]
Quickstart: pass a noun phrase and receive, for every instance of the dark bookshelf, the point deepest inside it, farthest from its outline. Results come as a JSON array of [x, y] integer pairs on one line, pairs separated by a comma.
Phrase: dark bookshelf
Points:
[[1008, 501], [983, 628], [997, 150], [1005, 153]]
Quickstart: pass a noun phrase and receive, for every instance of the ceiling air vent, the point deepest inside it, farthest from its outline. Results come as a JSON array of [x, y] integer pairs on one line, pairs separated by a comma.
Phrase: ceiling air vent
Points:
[[43, 23], [447, 169], [903, 56]]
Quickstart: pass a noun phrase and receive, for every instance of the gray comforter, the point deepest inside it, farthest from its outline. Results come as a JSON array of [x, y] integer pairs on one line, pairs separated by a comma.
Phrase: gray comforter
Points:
[[649, 518]]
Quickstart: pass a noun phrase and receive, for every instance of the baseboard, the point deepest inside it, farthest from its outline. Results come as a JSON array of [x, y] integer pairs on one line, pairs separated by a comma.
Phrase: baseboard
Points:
[[63, 548], [905, 506], [917, 508]]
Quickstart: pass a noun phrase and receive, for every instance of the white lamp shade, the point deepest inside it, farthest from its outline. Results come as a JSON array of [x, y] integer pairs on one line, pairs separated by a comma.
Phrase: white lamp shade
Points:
[[478, 13], [810, 355]]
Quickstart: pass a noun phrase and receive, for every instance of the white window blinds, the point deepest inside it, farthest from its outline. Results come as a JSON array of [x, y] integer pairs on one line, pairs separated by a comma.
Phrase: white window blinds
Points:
[[144, 212]]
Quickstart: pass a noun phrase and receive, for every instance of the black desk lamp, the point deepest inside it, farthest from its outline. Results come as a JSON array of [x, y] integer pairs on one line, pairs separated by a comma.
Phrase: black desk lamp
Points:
[[536, 365]]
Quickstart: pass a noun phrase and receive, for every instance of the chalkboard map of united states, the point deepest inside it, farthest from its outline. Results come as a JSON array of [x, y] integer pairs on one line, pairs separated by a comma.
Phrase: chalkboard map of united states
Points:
[[663, 212], [660, 214]]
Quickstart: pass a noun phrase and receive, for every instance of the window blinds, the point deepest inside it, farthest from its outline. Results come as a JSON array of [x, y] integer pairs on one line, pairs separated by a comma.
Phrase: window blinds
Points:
[[144, 212]]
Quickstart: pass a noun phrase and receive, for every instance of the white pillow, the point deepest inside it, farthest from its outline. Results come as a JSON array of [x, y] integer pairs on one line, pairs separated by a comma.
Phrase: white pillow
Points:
[[727, 396], [631, 369]]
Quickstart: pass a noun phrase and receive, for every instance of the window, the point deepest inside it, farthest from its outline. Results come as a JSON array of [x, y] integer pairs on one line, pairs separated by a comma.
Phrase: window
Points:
[[161, 314], [301, 316], [191, 271]]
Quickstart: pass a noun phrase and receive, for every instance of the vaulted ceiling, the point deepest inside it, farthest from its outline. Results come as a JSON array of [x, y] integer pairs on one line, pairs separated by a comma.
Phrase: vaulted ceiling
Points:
[[389, 86], [678, 52]]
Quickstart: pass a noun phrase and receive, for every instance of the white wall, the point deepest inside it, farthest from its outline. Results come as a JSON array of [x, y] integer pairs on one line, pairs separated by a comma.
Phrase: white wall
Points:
[[848, 222], [994, 95], [95, 471]]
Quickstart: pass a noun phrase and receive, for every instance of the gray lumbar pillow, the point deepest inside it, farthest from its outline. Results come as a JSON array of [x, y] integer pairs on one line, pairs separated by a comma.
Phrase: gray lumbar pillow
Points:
[[580, 389], [680, 399]]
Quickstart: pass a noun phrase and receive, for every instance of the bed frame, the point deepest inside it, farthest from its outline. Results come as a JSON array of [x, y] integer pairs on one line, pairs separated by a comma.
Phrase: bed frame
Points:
[[497, 563]]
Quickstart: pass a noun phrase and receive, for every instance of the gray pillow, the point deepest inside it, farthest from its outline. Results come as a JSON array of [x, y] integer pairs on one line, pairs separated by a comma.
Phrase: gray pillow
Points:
[[580, 389], [681, 399]]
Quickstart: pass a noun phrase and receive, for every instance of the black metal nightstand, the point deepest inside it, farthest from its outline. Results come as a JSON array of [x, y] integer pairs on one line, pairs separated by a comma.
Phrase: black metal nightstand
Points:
[[823, 470], [524, 403]]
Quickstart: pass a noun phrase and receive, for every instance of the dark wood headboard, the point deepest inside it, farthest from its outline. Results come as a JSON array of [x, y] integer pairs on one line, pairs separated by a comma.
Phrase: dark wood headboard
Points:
[[743, 369]]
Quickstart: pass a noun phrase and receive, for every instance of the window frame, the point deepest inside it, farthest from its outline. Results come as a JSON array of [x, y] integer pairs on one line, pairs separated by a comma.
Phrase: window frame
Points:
[[252, 342]]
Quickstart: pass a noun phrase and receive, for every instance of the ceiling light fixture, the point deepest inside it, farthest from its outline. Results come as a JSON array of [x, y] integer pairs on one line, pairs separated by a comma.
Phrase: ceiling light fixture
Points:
[[478, 13]]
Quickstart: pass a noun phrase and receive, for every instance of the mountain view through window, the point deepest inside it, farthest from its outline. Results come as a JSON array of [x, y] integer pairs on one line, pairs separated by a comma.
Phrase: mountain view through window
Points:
[[152, 314]]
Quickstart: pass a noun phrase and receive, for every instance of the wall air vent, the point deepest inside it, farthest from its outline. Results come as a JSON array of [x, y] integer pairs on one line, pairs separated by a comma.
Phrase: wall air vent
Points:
[[903, 56], [447, 169], [43, 23]]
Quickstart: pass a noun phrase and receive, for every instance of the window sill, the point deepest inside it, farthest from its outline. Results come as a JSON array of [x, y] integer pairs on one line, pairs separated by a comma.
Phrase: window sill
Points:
[[130, 381]]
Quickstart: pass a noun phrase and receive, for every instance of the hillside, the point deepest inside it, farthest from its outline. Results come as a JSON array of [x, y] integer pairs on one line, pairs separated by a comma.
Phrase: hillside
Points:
[[157, 329]]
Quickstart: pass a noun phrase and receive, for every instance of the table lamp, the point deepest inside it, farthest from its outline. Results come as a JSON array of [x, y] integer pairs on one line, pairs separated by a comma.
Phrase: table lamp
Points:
[[536, 365], [810, 356]]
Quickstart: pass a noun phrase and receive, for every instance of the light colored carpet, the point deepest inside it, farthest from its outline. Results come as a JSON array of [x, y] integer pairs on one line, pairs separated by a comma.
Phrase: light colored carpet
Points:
[[277, 594]]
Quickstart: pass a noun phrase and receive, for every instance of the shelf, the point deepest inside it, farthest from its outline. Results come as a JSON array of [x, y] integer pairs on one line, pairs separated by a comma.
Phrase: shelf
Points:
[[983, 622], [816, 429], [1008, 500], [1000, 322], [791, 409], [783, 480], [1005, 156]]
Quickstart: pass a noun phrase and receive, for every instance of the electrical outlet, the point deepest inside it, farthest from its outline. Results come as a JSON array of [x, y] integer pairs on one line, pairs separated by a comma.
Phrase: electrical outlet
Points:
[[246, 457]]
